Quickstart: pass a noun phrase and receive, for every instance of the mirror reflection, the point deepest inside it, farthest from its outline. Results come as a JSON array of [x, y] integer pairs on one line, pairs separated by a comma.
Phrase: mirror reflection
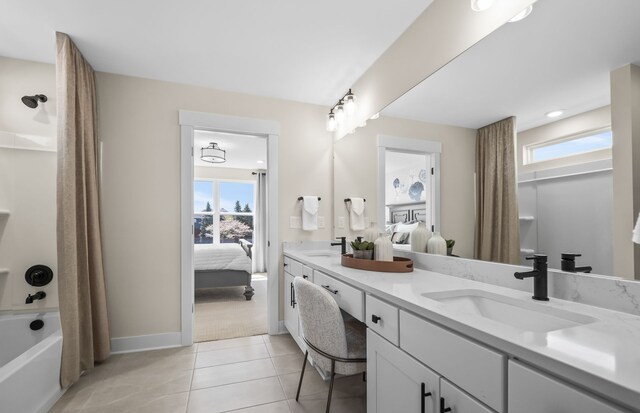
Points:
[[527, 121]]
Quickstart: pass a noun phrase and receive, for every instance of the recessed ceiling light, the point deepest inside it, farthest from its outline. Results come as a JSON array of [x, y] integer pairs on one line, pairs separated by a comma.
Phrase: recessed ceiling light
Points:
[[522, 15], [554, 113], [260, 161], [481, 5]]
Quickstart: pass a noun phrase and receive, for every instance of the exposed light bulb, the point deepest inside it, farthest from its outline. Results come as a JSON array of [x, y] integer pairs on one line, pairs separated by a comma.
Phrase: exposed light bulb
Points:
[[350, 103], [331, 122], [522, 15], [554, 113], [481, 5], [340, 113]]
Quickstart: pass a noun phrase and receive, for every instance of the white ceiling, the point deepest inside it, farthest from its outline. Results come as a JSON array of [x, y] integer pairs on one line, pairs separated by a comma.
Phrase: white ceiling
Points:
[[308, 51], [559, 57], [243, 151]]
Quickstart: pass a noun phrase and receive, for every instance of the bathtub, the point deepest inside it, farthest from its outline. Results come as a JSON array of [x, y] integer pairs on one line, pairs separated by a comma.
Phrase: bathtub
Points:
[[29, 363]]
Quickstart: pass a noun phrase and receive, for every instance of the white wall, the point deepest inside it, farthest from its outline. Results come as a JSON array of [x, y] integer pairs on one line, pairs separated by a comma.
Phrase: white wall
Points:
[[223, 173], [138, 124], [27, 182]]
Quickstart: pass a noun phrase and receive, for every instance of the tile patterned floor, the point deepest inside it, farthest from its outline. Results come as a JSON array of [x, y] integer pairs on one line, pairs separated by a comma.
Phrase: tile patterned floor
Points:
[[256, 374]]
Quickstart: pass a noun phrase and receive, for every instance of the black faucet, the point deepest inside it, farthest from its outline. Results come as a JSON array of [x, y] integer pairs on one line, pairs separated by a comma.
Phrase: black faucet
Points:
[[569, 263], [539, 275], [37, 296], [342, 243]]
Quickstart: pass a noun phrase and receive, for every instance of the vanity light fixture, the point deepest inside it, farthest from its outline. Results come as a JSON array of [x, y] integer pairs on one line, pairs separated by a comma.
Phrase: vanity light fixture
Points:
[[346, 106], [554, 113], [350, 103], [522, 15], [213, 154], [332, 123], [481, 5]]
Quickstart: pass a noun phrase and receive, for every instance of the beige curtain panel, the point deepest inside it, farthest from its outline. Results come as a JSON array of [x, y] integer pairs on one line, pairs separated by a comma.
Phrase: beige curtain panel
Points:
[[497, 224], [81, 290]]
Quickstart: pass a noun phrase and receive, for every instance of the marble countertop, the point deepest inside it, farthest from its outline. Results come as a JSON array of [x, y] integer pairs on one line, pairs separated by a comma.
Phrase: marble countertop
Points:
[[603, 356]]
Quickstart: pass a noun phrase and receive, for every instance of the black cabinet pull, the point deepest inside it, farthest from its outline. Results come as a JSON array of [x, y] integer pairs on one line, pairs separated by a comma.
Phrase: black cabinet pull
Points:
[[285, 264], [423, 395], [328, 288], [291, 295], [375, 318], [305, 276], [442, 408]]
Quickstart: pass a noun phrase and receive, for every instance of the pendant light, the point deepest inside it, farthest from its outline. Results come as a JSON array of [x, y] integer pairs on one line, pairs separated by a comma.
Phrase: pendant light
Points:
[[350, 103], [213, 154]]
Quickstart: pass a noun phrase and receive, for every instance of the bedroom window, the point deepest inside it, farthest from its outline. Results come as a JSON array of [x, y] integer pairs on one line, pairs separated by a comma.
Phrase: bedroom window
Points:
[[223, 211]]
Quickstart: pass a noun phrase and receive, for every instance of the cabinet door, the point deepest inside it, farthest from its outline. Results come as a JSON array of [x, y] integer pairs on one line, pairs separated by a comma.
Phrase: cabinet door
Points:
[[460, 402], [531, 391], [290, 308], [396, 382]]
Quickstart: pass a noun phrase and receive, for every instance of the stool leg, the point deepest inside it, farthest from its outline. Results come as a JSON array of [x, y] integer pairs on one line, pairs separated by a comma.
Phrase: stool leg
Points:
[[333, 376], [304, 364]]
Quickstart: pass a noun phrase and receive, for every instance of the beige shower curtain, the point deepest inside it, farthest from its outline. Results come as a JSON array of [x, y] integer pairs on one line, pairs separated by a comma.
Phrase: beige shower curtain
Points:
[[83, 306], [497, 222]]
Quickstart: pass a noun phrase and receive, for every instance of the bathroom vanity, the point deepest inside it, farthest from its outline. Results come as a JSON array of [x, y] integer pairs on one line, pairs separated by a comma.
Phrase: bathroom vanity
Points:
[[437, 342]]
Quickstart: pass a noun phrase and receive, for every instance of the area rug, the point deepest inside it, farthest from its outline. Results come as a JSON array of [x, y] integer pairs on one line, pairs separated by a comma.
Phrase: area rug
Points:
[[222, 313]]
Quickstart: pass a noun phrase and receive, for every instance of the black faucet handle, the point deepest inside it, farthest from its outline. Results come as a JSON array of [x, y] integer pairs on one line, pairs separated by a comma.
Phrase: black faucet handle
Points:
[[537, 257], [570, 256], [342, 238]]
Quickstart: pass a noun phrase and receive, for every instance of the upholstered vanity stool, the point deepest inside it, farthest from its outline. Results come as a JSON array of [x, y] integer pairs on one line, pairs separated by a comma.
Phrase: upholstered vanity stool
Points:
[[334, 345]]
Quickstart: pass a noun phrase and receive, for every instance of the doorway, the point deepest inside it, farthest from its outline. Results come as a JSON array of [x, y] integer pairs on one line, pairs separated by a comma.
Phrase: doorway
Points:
[[227, 208]]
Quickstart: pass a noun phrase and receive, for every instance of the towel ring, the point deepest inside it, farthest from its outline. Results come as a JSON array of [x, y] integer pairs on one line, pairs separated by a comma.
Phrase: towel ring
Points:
[[301, 198], [349, 200]]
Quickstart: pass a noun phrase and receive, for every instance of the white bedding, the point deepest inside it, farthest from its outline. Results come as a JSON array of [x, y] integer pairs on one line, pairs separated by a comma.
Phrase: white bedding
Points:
[[220, 257]]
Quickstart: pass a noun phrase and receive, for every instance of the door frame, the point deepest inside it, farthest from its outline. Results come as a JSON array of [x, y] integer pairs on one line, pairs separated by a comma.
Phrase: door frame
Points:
[[189, 121], [410, 145]]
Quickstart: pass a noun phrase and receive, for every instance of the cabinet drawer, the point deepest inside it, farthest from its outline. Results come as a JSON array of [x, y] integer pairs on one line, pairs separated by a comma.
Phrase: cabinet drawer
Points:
[[479, 370], [295, 268], [287, 264], [531, 391], [307, 273], [382, 318], [350, 299], [460, 402]]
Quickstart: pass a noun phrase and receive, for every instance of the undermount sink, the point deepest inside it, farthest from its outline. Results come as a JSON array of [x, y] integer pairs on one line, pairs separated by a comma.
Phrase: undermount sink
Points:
[[523, 315]]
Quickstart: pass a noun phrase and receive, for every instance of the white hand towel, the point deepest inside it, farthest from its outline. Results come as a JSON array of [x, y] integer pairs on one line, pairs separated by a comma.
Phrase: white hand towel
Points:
[[310, 213], [356, 214]]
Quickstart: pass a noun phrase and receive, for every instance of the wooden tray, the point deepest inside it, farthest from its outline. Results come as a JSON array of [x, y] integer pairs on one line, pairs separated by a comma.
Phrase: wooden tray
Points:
[[399, 264]]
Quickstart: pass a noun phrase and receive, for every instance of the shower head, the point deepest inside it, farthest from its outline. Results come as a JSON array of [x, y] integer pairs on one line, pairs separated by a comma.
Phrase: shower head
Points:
[[32, 101]]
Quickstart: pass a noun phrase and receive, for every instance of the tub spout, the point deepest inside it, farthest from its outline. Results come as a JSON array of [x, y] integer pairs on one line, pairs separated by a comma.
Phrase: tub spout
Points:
[[37, 296]]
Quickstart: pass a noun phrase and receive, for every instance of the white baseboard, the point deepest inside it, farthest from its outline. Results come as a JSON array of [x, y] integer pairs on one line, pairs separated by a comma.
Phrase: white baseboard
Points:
[[143, 343]]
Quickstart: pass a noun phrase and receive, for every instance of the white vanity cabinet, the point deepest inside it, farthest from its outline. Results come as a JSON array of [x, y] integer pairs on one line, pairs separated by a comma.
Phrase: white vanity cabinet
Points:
[[531, 391], [290, 308], [349, 298], [396, 382], [292, 269]]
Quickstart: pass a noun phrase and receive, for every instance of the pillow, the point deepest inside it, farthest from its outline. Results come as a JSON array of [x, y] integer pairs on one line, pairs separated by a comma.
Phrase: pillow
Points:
[[407, 228], [400, 237]]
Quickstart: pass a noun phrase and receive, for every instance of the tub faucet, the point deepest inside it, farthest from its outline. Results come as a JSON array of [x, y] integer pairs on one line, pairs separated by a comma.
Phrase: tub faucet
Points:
[[539, 275], [37, 296], [568, 263], [342, 243]]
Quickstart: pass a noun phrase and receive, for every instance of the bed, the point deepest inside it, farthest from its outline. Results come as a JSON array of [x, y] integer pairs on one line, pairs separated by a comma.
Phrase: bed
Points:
[[223, 265]]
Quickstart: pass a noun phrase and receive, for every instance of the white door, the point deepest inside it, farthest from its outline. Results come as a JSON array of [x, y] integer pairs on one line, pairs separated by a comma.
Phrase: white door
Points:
[[396, 382]]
